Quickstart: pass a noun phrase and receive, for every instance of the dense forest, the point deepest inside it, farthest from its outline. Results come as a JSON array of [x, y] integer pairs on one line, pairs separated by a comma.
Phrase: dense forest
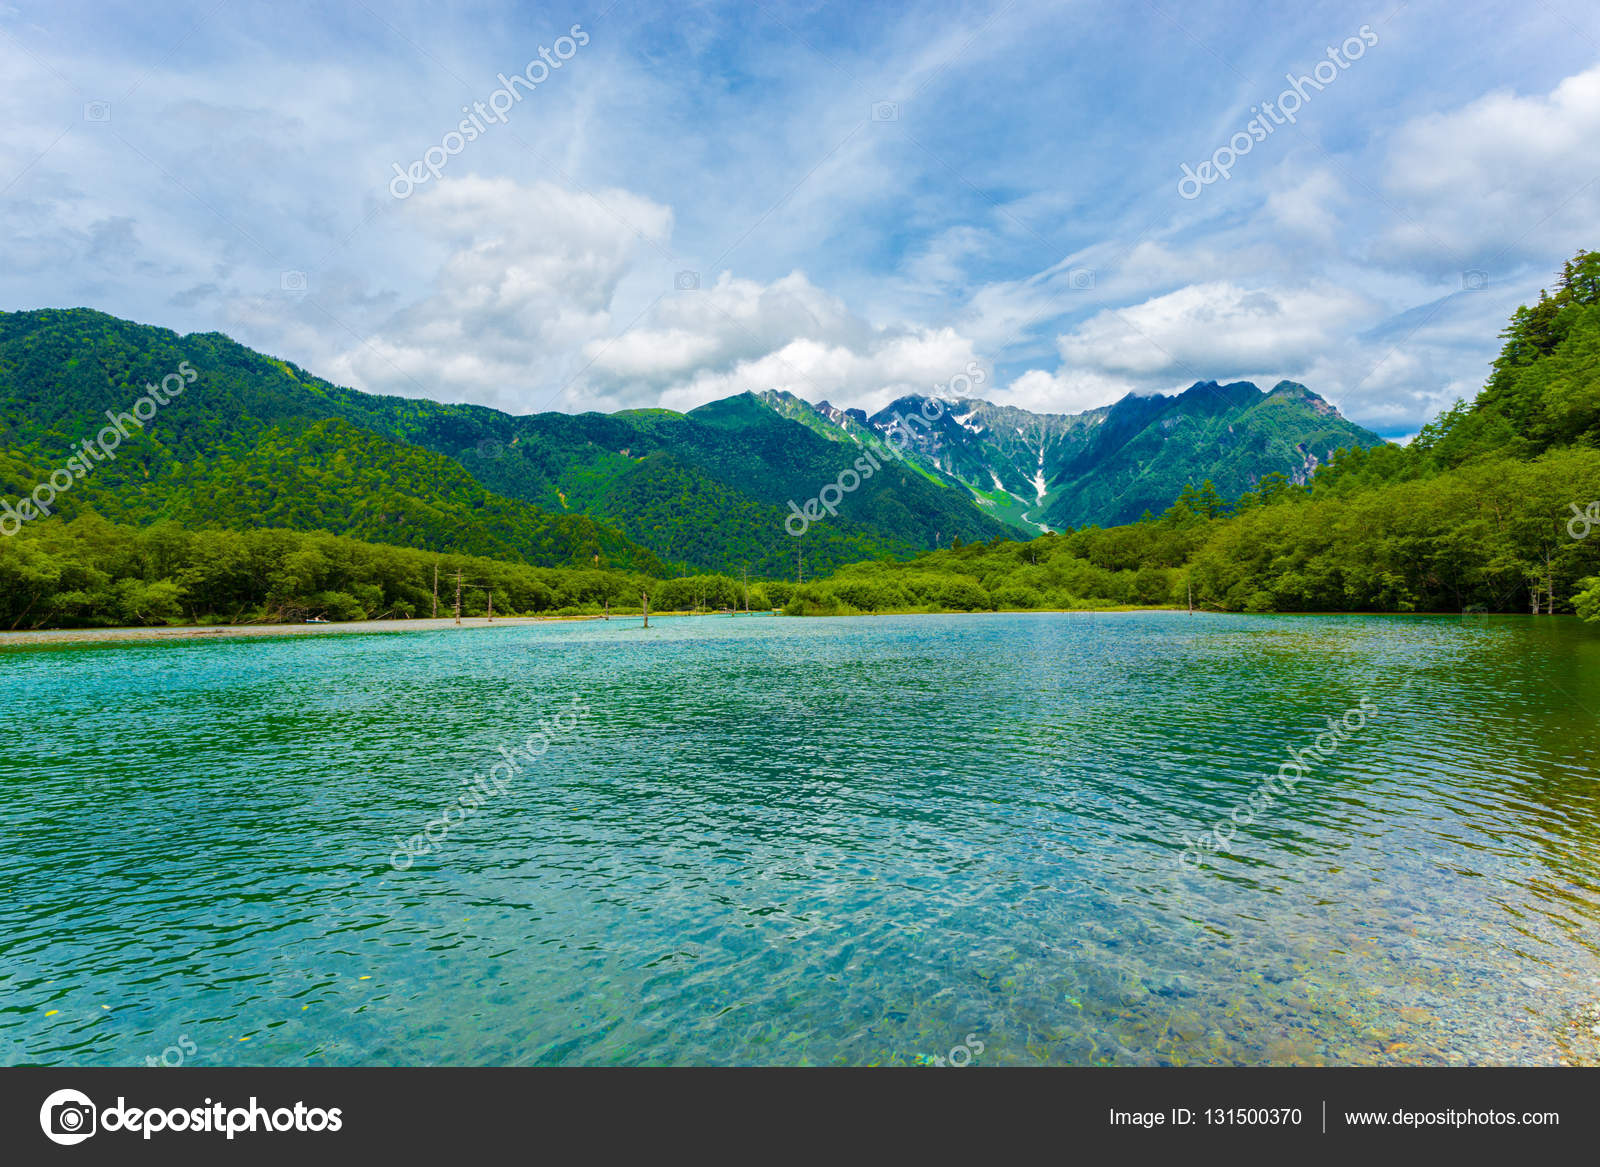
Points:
[[89, 572], [1489, 508]]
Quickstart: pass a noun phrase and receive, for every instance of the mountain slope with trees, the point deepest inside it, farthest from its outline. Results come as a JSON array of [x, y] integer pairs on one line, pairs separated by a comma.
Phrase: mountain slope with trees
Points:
[[708, 489], [248, 444], [1040, 471], [1489, 509]]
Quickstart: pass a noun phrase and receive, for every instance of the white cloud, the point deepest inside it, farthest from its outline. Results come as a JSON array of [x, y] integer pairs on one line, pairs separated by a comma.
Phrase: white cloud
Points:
[[1205, 330], [1501, 180], [941, 264], [730, 321], [525, 302], [529, 277], [1309, 205], [868, 374], [740, 335], [1064, 391]]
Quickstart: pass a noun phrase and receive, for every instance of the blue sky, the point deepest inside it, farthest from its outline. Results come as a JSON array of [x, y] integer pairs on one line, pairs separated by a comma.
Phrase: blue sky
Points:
[[846, 201]]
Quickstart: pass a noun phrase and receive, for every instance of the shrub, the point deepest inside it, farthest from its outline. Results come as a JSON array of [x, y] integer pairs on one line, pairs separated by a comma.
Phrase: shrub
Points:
[[1587, 602], [1016, 596], [335, 606], [964, 595]]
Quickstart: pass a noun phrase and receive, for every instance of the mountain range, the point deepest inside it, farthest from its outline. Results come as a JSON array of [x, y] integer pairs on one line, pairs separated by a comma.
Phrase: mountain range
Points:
[[260, 442], [1105, 466]]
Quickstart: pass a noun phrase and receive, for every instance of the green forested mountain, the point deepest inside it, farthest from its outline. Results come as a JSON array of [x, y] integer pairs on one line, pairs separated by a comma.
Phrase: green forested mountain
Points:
[[259, 441], [710, 487], [1001, 455], [1041, 471], [250, 443], [1494, 507], [1490, 509], [1147, 448]]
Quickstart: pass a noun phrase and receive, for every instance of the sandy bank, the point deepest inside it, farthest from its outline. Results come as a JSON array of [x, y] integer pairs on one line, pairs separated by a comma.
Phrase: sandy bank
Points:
[[236, 631]]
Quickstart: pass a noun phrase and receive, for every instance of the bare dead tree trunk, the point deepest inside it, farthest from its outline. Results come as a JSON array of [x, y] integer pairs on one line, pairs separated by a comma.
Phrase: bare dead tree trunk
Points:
[[645, 599], [25, 612]]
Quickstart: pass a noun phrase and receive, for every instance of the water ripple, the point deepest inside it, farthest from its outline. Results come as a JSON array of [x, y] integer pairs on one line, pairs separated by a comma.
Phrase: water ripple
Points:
[[831, 841]]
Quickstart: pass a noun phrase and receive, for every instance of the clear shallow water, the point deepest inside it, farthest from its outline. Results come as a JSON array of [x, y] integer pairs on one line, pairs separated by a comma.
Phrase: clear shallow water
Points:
[[807, 841]]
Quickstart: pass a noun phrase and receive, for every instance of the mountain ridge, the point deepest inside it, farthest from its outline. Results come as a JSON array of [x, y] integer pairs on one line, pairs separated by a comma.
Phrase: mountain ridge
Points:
[[707, 489], [1108, 464]]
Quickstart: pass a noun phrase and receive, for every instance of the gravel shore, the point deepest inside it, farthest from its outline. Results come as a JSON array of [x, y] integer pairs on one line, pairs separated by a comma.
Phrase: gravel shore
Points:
[[234, 631]]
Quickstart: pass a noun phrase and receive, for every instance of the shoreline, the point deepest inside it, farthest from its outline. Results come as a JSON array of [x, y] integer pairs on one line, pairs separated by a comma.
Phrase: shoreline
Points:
[[186, 632], [246, 631], [181, 632]]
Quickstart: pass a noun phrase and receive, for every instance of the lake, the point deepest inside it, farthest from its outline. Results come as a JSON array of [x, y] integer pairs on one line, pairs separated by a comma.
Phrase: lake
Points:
[[890, 840]]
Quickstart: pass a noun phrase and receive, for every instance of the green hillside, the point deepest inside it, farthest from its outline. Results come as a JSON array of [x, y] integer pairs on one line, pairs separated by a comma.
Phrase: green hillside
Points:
[[249, 443], [260, 441], [1148, 448], [710, 487]]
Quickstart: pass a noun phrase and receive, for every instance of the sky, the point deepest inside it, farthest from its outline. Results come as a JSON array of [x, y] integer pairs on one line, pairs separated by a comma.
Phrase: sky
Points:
[[664, 204]]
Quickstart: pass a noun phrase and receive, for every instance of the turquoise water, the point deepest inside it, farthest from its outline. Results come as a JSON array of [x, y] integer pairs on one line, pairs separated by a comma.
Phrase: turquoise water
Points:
[[771, 841]]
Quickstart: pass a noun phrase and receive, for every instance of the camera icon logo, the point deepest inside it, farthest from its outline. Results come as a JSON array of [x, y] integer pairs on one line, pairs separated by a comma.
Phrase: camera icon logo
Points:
[[1080, 279], [97, 111], [885, 111], [687, 281], [1474, 281], [492, 449], [292, 281], [67, 1117]]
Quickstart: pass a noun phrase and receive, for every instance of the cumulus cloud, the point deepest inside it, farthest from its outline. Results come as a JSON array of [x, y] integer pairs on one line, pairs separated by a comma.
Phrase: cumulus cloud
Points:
[[730, 322], [1063, 391], [529, 276], [1205, 328], [1501, 180], [525, 304], [785, 335]]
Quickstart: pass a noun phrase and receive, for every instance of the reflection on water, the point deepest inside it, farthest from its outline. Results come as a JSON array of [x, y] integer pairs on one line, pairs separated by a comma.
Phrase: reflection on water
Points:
[[825, 841]]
